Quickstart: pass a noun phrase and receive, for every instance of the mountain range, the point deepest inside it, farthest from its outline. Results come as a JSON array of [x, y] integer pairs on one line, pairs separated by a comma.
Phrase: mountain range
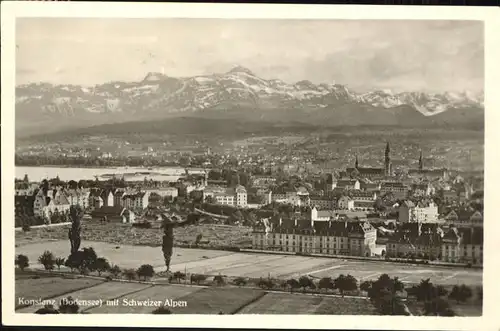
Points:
[[240, 94]]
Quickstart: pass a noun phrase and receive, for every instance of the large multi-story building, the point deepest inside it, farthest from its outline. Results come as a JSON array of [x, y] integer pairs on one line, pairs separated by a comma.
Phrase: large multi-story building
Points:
[[423, 211], [233, 197], [315, 237], [397, 189], [416, 239]]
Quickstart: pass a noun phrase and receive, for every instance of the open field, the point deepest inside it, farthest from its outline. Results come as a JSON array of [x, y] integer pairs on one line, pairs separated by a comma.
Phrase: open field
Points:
[[256, 265], [159, 292], [105, 291], [286, 303], [50, 287], [117, 233], [216, 300]]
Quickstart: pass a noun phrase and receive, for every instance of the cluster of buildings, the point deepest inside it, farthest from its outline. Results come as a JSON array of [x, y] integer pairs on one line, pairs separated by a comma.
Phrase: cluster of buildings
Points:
[[419, 227]]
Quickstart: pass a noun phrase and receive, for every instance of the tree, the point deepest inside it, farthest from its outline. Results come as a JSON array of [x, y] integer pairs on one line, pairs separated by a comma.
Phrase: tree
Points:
[[305, 282], [68, 306], [197, 278], [240, 281], [130, 274], [60, 262], [366, 286], [460, 293], [219, 280], [293, 283], [101, 264], [383, 294], [265, 283], [198, 239], [345, 283], [115, 270], [438, 307], [146, 271], [74, 233], [326, 283], [178, 276], [162, 310], [47, 260], [88, 260], [22, 261]]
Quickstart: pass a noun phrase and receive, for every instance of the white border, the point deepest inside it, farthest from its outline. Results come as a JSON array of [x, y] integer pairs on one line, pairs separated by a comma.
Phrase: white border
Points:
[[490, 15]]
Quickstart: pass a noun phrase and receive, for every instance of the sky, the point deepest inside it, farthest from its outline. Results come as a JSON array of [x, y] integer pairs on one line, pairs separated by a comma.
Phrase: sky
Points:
[[416, 55]]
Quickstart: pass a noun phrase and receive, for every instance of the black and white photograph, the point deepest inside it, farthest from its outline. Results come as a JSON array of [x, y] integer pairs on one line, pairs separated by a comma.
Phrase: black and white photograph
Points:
[[239, 166]]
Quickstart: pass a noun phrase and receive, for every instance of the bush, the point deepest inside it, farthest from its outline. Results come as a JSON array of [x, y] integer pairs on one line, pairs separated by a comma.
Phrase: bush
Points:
[[26, 227], [22, 261], [130, 274], [59, 262], [240, 281], [197, 278], [219, 280], [101, 264], [146, 271], [115, 270], [47, 260]]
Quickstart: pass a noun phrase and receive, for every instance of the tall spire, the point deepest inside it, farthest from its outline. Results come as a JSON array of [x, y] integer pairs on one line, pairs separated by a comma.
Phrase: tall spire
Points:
[[421, 161], [388, 170], [357, 163]]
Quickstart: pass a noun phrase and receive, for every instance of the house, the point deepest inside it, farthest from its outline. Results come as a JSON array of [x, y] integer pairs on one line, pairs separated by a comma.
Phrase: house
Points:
[[416, 239], [369, 187], [107, 198], [211, 191], [241, 196], [450, 197], [397, 189], [172, 192], [111, 213], [464, 218], [363, 196], [331, 182], [135, 201], [348, 184], [225, 198], [423, 211], [345, 203], [263, 181], [78, 197], [472, 242], [422, 190], [451, 247], [95, 199], [40, 202], [322, 202], [322, 215], [128, 216], [58, 204]]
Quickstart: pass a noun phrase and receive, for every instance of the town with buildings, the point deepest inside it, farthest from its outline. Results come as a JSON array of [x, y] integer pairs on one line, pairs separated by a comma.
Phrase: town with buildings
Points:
[[428, 214]]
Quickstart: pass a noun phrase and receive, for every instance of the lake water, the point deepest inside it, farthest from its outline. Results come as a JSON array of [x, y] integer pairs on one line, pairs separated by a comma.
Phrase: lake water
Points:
[[129, 173]]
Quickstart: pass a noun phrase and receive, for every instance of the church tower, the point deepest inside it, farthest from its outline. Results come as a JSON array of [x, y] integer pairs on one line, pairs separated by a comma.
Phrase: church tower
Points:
[[388, 166], [357, 163], [421, 162]]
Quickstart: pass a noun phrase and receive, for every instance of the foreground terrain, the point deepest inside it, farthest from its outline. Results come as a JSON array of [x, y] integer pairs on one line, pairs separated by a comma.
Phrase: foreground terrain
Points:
[[253, 265]]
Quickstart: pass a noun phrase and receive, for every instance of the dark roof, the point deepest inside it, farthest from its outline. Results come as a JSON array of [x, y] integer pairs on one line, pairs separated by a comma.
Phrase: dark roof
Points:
[[472, 236], [107, 211]]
